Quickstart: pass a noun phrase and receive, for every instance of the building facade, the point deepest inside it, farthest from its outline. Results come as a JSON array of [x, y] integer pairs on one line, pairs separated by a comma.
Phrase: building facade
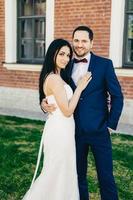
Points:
[[28, 26]]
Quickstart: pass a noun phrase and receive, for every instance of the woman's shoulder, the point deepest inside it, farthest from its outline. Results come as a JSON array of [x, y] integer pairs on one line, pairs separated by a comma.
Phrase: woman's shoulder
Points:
[[53, 80]]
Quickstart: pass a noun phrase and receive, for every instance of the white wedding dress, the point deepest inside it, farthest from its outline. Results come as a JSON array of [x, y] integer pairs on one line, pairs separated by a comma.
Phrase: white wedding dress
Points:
[[58, 178]]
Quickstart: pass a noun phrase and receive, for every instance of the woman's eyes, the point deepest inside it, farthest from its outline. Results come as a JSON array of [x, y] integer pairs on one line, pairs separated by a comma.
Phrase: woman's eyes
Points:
[[62, 54]]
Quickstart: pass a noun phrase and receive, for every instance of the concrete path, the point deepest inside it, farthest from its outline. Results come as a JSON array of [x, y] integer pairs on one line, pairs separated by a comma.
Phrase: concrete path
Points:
[[122, 128]]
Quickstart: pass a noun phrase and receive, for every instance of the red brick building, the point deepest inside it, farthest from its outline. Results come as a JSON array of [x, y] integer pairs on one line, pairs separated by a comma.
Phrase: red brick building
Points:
[[26, 26]]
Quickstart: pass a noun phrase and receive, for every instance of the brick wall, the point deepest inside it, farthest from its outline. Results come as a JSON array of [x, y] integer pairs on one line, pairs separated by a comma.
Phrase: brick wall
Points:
[[68, 15], [96, 14], [127, 86], [20, 79]]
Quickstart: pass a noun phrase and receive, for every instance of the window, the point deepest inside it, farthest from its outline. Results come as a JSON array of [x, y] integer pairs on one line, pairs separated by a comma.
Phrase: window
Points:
[[31, 23], [128, 35]]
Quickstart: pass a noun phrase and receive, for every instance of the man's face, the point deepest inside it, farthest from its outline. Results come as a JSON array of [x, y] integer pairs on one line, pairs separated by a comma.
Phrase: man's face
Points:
[[81, 43]]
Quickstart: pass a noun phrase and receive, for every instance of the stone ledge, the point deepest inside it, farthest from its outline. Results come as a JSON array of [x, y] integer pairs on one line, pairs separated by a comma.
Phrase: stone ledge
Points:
[[23, 67], [124, 72]]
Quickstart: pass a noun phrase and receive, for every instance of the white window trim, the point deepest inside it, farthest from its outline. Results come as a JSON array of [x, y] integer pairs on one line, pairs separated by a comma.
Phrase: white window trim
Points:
[[11, 34], [124, 72], [116, 31], [10, 30], [23, 67]]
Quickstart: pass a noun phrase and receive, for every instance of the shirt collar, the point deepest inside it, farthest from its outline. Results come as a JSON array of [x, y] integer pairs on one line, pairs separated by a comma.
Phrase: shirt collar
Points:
[[88, 56]]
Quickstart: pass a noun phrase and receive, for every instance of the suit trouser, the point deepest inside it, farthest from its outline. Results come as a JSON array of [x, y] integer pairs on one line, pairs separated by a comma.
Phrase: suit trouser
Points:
[[102, 152]]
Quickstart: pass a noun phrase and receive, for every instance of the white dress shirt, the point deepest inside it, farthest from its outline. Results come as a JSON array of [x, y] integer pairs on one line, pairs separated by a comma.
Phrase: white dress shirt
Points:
[[80, 69]]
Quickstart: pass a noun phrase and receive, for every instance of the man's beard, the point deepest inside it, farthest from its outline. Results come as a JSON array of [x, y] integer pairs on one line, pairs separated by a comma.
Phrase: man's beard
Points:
[[79, 55]]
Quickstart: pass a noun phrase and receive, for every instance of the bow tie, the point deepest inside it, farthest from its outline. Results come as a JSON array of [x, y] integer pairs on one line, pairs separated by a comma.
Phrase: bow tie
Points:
[[84, 60]]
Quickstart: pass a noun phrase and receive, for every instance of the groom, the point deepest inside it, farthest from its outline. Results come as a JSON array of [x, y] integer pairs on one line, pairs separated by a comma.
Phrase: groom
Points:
[[94, 116]]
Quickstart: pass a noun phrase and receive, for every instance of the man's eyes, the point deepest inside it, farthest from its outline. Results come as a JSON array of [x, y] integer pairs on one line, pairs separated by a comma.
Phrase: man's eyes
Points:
[[76, 41], [83, 41]]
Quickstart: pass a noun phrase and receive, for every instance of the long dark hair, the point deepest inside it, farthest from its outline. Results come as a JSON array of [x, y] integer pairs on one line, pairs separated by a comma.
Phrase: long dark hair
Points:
[[49, 64]]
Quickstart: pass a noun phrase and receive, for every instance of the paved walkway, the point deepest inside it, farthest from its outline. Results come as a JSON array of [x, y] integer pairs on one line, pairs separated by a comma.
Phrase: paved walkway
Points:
[[122, 128]]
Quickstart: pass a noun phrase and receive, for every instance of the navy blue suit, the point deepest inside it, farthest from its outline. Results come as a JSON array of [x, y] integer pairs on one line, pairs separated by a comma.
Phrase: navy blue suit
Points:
[[93, 116]]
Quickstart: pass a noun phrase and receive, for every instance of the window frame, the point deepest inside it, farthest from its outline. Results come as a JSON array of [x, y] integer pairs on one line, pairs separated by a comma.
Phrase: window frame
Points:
[[125, 37], [11, 39], [32, 60]]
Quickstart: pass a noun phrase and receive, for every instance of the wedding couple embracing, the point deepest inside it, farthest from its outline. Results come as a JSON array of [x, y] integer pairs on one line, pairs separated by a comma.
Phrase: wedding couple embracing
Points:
[[75, 91]]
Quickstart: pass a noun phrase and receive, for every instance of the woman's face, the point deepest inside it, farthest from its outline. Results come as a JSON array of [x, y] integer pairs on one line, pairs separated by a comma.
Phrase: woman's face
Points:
[[63, 57]]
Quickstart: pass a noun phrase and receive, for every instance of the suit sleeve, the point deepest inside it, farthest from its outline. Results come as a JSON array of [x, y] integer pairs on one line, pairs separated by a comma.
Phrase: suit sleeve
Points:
[[116, 96]]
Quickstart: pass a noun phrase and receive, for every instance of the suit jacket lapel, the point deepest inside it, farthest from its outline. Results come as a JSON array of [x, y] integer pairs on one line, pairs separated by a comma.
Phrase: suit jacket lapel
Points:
[[72, 84], [90, 69], [91, 64]]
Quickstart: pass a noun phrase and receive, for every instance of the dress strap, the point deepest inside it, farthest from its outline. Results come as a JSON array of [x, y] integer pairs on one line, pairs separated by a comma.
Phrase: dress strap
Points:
[[41, 143], [38, 159]]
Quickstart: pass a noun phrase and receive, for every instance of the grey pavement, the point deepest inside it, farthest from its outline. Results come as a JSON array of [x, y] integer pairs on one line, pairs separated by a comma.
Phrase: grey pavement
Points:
[[122, 128]]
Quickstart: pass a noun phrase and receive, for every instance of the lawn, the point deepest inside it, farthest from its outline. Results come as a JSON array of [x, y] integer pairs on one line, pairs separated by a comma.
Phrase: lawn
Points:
[[19, 143]]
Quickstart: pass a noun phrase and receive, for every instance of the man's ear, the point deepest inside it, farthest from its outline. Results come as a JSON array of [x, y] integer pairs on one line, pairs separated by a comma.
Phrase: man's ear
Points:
[[91, 44]]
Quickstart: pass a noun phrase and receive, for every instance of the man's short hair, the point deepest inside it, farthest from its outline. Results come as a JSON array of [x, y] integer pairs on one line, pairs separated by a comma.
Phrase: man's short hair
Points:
[[84, 28]]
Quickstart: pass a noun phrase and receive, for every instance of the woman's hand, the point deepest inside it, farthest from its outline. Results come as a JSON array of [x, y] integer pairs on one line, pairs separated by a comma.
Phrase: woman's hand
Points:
[[47, 107], [83, 82]]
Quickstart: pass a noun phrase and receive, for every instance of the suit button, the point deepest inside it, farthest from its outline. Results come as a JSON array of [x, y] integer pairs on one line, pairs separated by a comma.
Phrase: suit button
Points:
[[81, 98]]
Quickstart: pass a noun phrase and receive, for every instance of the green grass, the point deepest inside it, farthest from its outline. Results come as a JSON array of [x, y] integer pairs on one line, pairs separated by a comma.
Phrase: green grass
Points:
[[19, 143]]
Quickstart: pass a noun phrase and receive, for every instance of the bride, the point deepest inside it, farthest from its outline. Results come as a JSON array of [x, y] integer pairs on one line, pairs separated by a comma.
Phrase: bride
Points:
[[58, 178]]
